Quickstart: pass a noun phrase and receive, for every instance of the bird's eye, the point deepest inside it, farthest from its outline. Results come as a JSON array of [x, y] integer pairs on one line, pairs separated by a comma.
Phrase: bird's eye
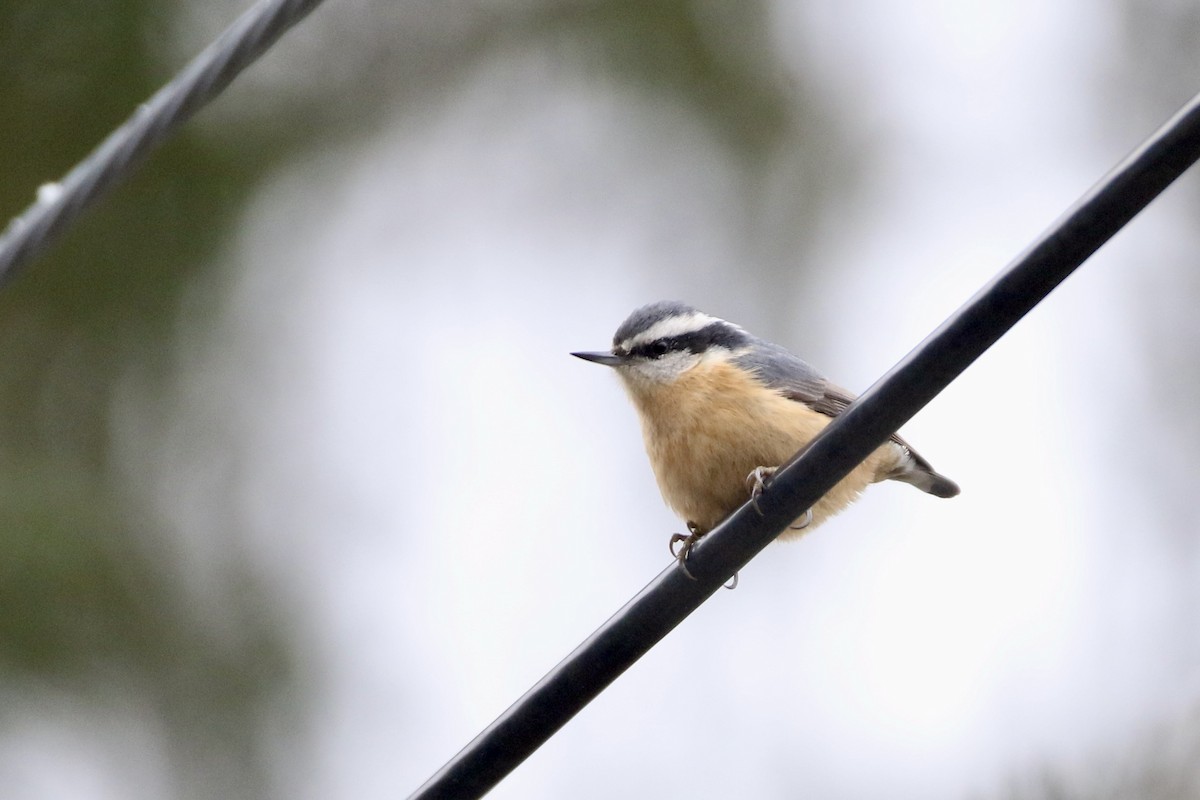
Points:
[[657, 349]]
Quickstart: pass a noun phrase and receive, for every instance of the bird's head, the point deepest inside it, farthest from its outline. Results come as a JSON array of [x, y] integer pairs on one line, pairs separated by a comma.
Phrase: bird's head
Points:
[[660, 342]]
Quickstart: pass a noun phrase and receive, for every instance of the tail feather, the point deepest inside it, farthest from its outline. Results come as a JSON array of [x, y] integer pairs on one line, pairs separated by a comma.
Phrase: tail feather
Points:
[[920, 473], [929, 481]]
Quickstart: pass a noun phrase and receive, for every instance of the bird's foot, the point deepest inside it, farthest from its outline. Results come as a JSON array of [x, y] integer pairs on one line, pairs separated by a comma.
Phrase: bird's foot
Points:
[[756, 481], [802, 525], [681, 554], [694, 535]]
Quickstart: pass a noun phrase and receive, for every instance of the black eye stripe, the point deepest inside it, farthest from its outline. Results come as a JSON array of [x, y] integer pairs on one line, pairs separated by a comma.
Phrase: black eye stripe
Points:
[[718, 334]]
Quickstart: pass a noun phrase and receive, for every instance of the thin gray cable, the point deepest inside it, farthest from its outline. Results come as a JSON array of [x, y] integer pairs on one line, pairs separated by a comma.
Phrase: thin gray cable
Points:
[[205, 77]]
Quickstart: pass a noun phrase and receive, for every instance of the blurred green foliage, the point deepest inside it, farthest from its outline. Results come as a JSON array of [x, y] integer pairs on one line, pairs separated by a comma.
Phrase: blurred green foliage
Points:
[[90, 586], [88, 583], [88, 577]]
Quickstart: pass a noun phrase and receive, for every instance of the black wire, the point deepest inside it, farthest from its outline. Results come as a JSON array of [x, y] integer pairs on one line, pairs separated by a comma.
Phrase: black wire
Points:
[[205, 77], [849, 439]]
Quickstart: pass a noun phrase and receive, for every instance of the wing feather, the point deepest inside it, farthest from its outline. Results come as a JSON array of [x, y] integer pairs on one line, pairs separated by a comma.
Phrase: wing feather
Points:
[[796, 379]]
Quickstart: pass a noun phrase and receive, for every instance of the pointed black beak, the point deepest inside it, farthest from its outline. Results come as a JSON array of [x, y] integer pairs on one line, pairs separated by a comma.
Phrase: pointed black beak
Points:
[[607, 359]]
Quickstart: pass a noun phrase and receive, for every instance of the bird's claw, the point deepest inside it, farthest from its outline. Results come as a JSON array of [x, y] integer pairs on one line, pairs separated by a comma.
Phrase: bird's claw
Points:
[[802, 525], [688, 541], [757, 481], [682, 555]]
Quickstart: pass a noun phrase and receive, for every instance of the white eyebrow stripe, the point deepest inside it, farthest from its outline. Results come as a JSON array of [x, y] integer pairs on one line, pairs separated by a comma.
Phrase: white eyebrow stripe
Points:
[[673, 326]]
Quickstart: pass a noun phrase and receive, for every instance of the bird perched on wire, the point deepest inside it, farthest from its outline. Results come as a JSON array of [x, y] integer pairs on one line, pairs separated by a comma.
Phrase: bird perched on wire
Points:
[[721, 410]]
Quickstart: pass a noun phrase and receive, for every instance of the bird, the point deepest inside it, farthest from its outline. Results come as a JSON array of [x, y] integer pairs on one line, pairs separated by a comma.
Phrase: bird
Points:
[[721, 410]]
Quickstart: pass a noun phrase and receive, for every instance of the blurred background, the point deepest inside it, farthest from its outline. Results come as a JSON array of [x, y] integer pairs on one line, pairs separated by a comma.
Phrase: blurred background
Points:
[[299, 488]]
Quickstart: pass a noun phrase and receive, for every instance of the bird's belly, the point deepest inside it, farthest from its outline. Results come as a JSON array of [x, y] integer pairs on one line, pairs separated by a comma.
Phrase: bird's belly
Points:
[[702, 461]]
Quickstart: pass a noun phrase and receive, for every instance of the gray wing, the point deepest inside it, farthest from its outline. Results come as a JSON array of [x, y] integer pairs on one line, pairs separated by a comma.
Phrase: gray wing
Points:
[[786, 374], [794, 378], [798, 380]]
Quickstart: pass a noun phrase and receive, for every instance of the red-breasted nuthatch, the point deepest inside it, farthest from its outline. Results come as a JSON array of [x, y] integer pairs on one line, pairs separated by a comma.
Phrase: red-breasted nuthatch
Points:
[[722, 409]]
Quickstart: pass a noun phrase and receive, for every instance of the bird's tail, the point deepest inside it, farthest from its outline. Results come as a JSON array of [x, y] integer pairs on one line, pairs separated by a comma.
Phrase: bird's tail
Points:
[[921, 474], [931, 482]]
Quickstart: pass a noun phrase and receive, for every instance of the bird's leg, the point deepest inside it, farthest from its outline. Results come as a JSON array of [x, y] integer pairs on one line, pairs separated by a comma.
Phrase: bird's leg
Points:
[[694, 535], [756, 481]]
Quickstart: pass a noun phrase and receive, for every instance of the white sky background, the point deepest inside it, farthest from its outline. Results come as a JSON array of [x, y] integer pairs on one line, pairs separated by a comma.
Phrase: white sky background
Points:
[[454, 503]]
